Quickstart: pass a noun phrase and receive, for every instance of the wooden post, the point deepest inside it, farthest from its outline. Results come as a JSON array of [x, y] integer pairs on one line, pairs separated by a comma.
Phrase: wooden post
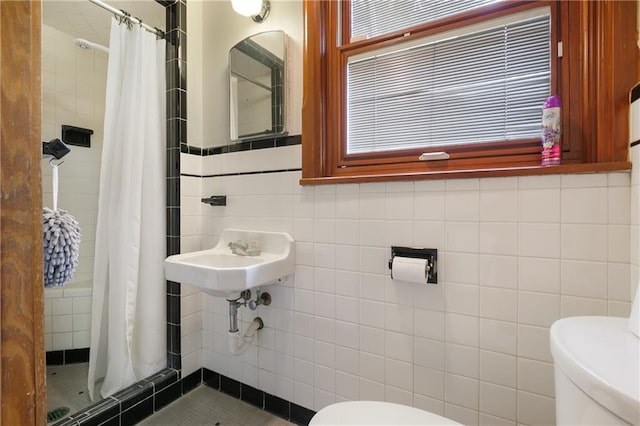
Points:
[[22, 365]]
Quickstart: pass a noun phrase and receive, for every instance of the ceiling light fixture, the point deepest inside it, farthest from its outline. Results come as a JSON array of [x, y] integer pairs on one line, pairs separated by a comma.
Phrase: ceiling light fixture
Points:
[[257, 9]]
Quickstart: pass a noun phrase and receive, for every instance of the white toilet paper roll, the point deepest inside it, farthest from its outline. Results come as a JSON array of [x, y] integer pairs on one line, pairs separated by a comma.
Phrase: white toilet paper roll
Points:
[[409, 270]]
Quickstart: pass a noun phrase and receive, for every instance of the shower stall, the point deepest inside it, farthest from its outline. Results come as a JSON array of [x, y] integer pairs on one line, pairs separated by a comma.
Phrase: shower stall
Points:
[[74, 71]]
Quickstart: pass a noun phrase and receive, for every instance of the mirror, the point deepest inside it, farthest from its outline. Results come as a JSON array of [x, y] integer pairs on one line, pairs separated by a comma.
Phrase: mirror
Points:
[[257, 86]]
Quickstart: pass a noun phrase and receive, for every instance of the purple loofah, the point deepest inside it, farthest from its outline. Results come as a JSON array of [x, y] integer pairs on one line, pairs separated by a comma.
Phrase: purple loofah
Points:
[[61, 233]]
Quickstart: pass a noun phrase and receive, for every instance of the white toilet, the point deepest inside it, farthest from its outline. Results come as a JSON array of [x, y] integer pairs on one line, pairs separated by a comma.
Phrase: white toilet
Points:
[[376, 413], [597, 373]]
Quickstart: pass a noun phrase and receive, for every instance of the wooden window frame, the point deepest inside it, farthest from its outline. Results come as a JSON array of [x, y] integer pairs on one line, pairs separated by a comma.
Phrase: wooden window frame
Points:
[[600, 64]]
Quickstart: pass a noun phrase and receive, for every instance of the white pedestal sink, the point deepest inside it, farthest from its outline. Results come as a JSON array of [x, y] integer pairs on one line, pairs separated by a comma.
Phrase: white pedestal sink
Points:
[[220, 272]]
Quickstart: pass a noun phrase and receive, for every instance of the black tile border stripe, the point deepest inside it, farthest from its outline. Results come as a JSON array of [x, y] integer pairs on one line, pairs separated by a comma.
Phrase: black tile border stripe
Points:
[[176, 128], [230, 387], [131, 404], [150, 395], [263, 400], [260, 172], [67, 356], [55, 358], [271, 142], [635, 93]]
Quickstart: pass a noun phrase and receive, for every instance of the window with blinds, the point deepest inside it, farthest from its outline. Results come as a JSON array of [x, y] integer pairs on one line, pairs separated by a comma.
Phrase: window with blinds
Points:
[[480, 83], [371, 18]]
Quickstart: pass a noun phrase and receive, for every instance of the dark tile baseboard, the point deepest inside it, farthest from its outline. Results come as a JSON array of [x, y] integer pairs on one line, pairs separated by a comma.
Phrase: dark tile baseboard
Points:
[[67, 356], [271, 403], [133, 404], [142, 399]]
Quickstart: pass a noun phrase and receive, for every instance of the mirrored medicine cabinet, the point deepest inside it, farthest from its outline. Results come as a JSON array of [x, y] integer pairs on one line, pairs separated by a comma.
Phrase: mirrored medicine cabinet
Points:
[[257, 86]]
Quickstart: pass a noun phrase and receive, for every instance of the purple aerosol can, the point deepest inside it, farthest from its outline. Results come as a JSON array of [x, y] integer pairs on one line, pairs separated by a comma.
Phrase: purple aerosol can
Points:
[[551, 150]]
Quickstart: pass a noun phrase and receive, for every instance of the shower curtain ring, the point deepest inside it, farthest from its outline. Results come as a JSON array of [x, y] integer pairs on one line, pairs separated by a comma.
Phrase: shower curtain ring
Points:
[[124, 18]]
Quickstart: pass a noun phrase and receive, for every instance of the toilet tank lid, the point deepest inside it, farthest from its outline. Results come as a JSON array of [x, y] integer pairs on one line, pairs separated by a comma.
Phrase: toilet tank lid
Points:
[[376, 413], [602, 358]]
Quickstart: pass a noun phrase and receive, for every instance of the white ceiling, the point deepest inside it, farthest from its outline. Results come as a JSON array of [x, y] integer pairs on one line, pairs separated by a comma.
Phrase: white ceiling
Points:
[[83, 19]]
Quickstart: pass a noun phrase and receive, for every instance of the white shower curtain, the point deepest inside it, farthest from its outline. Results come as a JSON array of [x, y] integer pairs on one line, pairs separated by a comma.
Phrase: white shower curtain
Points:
[[128, 324]]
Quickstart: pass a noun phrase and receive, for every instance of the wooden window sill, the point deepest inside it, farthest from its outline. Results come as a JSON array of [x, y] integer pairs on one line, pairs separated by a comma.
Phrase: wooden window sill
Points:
[[475, 173]]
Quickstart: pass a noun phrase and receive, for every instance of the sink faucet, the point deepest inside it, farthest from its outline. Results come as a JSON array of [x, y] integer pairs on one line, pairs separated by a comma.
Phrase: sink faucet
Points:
[[238, 246], [242, 248]]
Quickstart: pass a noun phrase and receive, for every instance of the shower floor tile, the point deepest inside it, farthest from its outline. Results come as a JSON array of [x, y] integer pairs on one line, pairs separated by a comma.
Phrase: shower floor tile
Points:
[[207, 406], [67, 387]]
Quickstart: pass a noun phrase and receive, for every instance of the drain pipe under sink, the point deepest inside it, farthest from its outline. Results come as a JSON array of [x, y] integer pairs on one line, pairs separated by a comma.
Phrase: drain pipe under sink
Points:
[[239, 344]]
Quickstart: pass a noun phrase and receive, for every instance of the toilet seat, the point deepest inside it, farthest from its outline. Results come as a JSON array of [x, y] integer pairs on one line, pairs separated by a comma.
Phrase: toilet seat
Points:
[[376, 413]]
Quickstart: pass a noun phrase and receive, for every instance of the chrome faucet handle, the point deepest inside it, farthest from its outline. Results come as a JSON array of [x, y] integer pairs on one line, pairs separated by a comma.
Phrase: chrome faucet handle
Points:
[[238, 247], [238, 244], [253, 249]]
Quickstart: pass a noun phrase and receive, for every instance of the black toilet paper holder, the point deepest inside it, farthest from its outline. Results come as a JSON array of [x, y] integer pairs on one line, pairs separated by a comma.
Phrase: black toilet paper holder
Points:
[[419, 253]]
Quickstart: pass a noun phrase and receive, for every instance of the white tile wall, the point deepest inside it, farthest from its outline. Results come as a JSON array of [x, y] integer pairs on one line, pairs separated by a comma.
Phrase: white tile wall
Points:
[[67, 317], [515, 254], [634, 219], [73, 93]]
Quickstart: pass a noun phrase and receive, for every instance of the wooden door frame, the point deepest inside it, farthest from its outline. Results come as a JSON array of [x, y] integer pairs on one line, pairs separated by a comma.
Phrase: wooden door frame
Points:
[[22, 352]]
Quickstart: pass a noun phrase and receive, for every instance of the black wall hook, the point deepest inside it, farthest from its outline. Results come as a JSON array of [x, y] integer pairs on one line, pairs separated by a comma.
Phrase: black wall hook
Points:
[[215, 200], [55, 148]]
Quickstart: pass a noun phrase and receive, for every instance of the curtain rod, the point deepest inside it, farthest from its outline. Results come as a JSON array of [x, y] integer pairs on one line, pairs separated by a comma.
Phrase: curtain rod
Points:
[[121, 13]]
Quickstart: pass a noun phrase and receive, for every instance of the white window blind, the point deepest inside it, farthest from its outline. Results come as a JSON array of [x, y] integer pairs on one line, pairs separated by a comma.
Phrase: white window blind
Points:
[[481, 83], [370, 18]]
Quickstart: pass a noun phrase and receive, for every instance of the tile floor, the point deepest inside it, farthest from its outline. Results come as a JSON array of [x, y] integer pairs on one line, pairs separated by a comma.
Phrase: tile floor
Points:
[[67, 386], [207, 406]]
